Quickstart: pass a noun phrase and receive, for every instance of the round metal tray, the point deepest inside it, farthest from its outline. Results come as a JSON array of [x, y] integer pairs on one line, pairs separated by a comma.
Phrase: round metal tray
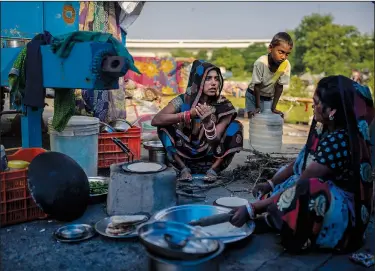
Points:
[[125, 167], [74, 233], [187, 213], [102, 225]]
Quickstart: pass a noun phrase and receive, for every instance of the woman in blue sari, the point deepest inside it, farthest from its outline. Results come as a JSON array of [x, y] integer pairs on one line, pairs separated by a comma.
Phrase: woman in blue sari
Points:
[[198, 129]]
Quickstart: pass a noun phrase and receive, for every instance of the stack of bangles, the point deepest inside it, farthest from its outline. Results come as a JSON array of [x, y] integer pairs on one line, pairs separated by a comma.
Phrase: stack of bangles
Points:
[[184, 117], [210, 134]]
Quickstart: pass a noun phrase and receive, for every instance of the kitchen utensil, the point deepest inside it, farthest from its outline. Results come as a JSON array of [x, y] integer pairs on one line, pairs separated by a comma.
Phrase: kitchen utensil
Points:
[[176, 242], [58, 185], [74, 233], [102, 225], [124, 148], [152, 237], [121, 125], [212, 220], [97, 198], [187, 213], [104, 127]]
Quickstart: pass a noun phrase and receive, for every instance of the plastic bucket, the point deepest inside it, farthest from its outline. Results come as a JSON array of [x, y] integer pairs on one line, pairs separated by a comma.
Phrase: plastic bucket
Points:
[[79, 140]]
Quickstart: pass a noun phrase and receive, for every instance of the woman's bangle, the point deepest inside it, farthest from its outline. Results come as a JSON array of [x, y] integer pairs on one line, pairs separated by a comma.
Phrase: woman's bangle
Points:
[[212, 129], [180, 117], [271, 184], [210, 137], [187, 116], [250, 210]]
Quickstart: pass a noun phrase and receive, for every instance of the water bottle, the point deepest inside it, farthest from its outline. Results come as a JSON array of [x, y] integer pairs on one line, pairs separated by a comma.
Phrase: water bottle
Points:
[[3, 159]]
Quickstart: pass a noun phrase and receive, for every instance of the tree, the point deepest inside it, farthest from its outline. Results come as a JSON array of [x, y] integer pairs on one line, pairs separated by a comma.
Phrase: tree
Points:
[[229, 58], [297, 88], [308, 24], [332, 49], [181, 53], [251, 54], [202, 54]]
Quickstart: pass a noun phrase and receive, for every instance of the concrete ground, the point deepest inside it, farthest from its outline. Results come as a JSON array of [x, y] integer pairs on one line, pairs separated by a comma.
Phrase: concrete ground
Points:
[[30, 246]]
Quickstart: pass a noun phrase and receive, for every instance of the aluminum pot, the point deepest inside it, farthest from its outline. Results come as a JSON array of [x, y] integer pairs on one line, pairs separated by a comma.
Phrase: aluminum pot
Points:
[[156, 152], [209, 263]]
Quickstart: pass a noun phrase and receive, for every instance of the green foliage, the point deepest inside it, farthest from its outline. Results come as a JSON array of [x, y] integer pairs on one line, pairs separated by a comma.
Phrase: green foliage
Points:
[[297, 88], [229, 58], [202, 54], [251, 54], [181, 53]]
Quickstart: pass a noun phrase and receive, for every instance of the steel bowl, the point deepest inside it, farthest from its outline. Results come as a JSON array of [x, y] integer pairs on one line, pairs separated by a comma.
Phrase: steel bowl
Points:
[[121, 125], [187, 213], [104, 127], [98, 198]]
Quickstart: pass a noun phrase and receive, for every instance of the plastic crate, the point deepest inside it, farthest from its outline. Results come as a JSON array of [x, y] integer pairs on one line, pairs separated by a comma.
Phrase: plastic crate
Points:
[[16, 203], [109, 153]]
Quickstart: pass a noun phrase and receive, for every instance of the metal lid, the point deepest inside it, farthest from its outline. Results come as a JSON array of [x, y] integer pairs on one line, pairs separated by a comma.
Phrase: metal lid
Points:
[[154, 234]]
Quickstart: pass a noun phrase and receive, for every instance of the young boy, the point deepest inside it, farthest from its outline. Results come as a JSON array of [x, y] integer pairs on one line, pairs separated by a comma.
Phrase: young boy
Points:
[[271, 72]]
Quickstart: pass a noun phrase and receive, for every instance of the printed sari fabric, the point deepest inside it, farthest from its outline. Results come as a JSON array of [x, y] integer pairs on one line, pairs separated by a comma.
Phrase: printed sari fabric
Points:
[[331, 212], [107, 105], [189, 140]]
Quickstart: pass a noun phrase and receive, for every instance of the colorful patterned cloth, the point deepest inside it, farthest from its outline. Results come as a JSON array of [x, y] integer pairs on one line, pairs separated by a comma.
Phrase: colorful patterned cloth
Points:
[[107, 105], [330, 212], [189, 140]]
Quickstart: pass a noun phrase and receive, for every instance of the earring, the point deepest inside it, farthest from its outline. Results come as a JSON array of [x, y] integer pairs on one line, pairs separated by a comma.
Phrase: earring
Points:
[[331, 117]]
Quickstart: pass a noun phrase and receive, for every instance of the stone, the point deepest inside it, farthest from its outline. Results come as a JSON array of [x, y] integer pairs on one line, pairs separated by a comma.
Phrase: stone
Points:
[[131, 193]]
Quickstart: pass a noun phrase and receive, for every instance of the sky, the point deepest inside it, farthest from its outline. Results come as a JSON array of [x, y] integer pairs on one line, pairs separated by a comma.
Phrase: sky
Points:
[[240, 20]]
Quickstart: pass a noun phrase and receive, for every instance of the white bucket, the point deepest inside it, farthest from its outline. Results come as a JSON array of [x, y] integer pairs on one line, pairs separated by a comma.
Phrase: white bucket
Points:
[[79, 140]]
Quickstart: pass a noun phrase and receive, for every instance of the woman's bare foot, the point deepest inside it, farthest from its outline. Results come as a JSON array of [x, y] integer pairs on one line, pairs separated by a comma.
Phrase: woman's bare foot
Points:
[[185, 175], [211, 176]]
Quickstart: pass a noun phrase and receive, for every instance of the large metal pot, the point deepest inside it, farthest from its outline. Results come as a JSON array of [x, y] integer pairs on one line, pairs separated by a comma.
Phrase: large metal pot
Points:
[[208, 263], [154, 237], [156, 152]]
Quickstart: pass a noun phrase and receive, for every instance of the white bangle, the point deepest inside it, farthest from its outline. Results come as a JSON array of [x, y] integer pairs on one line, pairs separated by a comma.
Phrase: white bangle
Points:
[[271, 184], [210, 137], [250, 210], [212, 129]]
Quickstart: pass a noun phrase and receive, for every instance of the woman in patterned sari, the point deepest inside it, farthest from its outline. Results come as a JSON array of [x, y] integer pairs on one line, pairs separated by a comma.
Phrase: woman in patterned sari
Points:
[[198, 129], [323, 198]]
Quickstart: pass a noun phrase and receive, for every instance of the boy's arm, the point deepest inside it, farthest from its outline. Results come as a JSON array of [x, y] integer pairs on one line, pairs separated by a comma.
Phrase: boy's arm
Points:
[[257, 97], [276, 97]]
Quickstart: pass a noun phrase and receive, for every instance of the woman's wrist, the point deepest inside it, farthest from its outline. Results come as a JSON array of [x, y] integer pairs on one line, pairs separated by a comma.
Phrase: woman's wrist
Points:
[[272, 184]]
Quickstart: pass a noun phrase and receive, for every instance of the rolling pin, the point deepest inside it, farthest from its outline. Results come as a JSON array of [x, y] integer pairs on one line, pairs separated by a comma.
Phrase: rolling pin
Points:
[[212, 220]]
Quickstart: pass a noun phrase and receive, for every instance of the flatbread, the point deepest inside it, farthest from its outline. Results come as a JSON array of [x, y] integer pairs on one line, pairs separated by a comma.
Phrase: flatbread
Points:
[[127, 219], [223, 229], [144, 167], [231, 202]]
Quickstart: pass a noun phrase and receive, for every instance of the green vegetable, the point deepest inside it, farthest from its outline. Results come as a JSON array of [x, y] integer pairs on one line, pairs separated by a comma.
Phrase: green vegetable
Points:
[[98, 188]]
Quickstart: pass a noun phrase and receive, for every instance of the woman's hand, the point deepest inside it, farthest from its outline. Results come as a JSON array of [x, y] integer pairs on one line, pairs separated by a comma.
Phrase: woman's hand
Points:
[[193, 113], [240, 217], [204, 112], [261, 188]]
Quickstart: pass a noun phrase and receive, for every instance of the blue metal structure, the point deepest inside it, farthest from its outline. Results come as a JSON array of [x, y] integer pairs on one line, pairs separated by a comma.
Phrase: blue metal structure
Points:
[[21, 21]]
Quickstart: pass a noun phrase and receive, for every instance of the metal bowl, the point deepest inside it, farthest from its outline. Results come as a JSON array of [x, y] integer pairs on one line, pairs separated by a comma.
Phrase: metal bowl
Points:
[[187, 213], [104, 127], [97, 198], [121, 125]]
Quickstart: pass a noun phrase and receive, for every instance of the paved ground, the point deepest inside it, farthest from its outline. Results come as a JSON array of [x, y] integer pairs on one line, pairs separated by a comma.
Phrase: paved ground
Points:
[[30, 246]]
